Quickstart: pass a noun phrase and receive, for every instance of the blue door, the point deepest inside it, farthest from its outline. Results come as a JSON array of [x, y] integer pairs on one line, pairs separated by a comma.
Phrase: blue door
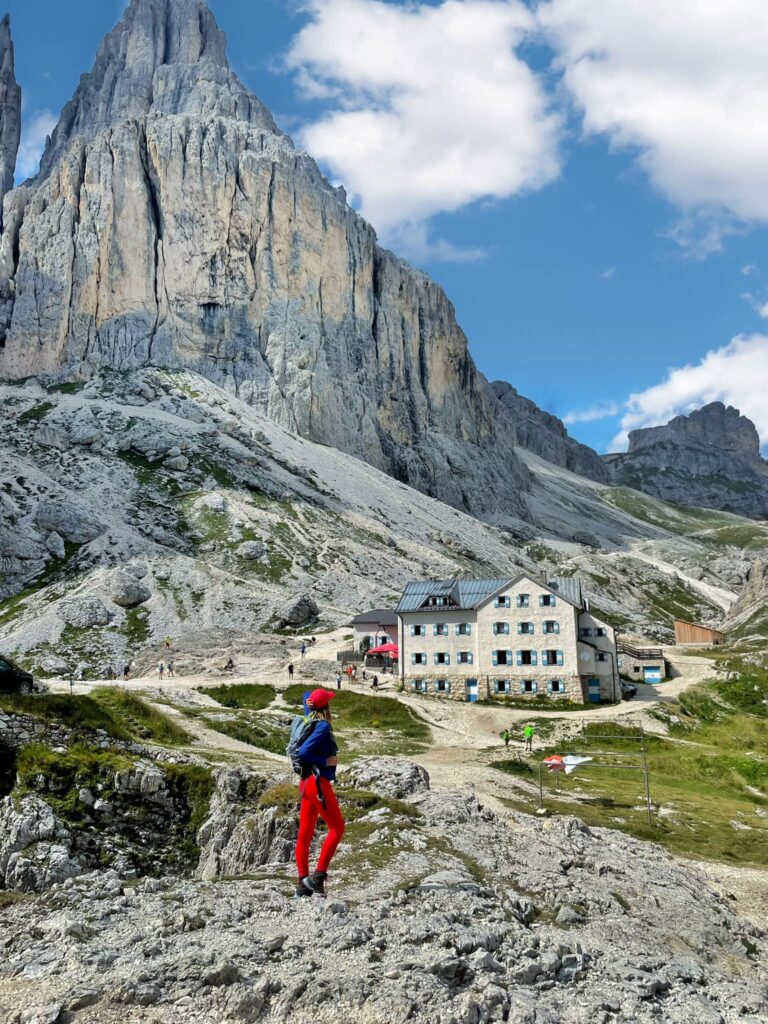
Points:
[[593, 691], [472, 691], [652, 674]]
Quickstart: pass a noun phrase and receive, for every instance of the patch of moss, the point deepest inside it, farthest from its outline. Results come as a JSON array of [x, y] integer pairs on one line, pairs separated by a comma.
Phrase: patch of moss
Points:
[[36, 413], [58, 777], [251, 696], [192, 784], [79, 713], [139, 717]]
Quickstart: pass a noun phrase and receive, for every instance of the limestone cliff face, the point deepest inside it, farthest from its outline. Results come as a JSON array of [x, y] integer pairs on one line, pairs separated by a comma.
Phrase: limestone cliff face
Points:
[[709, 458], [546, 436], [173, 225], [10, 110]]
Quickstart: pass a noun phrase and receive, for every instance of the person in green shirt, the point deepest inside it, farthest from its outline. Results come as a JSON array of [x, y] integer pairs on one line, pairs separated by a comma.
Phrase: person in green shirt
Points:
[[506, 736], [528, 731]]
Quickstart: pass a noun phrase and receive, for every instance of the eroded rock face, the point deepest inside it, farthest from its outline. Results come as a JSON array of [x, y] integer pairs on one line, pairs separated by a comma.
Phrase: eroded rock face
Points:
[[387, 776], [173, 224], [10, 110], [35, 847], [709, 458], [545, 435], [85, 612]]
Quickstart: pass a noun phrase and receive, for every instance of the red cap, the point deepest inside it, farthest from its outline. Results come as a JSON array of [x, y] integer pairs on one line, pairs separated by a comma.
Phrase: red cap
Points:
[[320, 699]]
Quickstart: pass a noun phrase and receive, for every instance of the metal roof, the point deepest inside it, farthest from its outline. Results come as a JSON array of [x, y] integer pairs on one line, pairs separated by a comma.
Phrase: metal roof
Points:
[[468, 593], [464, 593], [569, 587], [376, 617]]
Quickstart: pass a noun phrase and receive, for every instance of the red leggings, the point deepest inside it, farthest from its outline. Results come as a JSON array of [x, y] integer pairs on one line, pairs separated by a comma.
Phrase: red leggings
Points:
[[311, 808]]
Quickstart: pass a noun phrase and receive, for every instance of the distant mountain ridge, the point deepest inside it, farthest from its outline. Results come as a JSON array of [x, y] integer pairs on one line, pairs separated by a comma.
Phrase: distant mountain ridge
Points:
[[709, 458]]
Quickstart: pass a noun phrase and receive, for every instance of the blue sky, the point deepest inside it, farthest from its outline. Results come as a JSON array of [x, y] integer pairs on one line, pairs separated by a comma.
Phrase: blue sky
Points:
[[597, 223]]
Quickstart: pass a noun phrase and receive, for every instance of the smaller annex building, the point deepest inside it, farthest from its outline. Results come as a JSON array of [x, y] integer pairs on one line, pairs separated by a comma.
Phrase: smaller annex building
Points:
[[478, 639], [699, 636], [370, 629]]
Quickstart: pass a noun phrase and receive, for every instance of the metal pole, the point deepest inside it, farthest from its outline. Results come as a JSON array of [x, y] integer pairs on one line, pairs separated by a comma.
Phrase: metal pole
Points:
[[541, 786], [647, 780]]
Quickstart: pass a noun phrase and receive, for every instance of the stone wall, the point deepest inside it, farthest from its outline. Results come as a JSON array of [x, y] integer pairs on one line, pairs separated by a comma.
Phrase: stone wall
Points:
[[573, 689]]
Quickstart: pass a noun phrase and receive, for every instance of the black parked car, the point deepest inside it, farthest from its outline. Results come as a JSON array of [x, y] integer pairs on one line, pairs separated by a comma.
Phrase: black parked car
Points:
[[14, 679], [628, 690]]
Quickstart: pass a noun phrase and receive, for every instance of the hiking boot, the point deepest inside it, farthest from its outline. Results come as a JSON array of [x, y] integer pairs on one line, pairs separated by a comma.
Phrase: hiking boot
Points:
[[316, 883], [304, 888]]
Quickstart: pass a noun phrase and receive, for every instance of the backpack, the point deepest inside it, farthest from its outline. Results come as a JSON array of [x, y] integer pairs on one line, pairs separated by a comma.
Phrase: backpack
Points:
[[301, 729]]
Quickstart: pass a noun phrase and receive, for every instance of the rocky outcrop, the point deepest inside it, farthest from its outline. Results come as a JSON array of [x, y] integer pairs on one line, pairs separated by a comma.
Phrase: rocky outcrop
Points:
[[545, 435], [387, 776], [749, 614], [301, 610], [709, 458], [173, 225], [10, 111]]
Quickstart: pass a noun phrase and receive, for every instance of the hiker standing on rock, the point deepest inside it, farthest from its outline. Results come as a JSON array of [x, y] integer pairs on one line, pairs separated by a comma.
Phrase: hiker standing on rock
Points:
[[313, 752], [290, 671]]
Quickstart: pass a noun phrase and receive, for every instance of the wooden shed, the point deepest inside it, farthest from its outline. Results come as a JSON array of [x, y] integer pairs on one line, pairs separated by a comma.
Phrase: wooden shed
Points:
[[700, 636]]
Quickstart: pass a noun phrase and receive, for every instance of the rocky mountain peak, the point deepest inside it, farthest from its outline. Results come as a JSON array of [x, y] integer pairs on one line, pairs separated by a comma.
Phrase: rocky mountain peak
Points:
[[164, 57], [10, 110], [715, 425]]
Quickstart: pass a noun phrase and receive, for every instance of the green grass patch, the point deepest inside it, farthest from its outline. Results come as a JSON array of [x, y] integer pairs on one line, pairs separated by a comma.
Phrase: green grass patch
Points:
[[251, 696], [58, 777], [36, 413], [256, 731], [139, 717], [79, 713]]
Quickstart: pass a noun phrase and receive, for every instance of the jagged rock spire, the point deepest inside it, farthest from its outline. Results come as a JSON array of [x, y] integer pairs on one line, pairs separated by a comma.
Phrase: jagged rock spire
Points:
[[10, 111], [164, 57]]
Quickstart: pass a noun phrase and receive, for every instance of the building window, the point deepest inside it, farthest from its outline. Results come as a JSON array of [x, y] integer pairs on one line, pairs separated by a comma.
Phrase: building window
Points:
[[442, 686], [601, 656], [526, 658], [501, 602], [418, 630], [550, 626], [635, 668], [585, 631], [464, 657], [502, 657], [552, 657], [502, 686], [418, 659], [556, 686], [440, 629], [523, 600], [600, 631], [528, 686], [464, 629], [525, 627], [419, 685], [547, 600], [441, 658], [501, 629]]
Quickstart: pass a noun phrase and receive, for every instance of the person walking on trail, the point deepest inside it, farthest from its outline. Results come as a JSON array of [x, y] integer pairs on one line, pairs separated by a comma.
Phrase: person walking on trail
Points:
[[338, 680], [290, 671], [160, 669], [126, 673], [528, 731], [317, 756], [170, 668], [506, 736], [375, 683], [303, 650]]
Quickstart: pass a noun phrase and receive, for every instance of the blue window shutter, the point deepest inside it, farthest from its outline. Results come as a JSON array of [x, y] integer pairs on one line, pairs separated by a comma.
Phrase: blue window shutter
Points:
[[457, 630], [559, 657], [531, 628], [535, 688], [434, 630], [413, 631], [519, 657], [413, 659], [447, 659], [557, 627], [534, 658], [495, 658], [549, 687], [436, 661], [469, 629], [522, 687], [519, 627], [541, 600], [471, 658]]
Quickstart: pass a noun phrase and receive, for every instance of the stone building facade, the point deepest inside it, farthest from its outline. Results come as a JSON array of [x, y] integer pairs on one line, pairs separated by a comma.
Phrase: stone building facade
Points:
[[496, 639]]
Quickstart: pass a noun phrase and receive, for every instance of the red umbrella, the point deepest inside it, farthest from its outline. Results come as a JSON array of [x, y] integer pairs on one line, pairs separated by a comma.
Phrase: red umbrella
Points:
[[392, 649]]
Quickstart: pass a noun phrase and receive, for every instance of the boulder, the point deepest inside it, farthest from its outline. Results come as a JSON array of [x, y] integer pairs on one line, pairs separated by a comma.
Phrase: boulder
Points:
[[54, 542], [179, 464], [299, 611], [252, 550], [387, 776], [128, 592], [84, 612], [67, 519], [35, 847]]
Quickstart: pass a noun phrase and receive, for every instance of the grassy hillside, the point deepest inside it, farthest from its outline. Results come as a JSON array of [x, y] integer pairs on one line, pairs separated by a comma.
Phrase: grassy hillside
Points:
[[708, 777]]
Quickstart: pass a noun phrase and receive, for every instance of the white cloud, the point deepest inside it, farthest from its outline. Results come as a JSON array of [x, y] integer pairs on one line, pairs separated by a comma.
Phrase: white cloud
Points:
[[431, 108], [608, 274], [760, 306], [685, 83], [736, 374], [750, 270], [603, 411], [34, 131]]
